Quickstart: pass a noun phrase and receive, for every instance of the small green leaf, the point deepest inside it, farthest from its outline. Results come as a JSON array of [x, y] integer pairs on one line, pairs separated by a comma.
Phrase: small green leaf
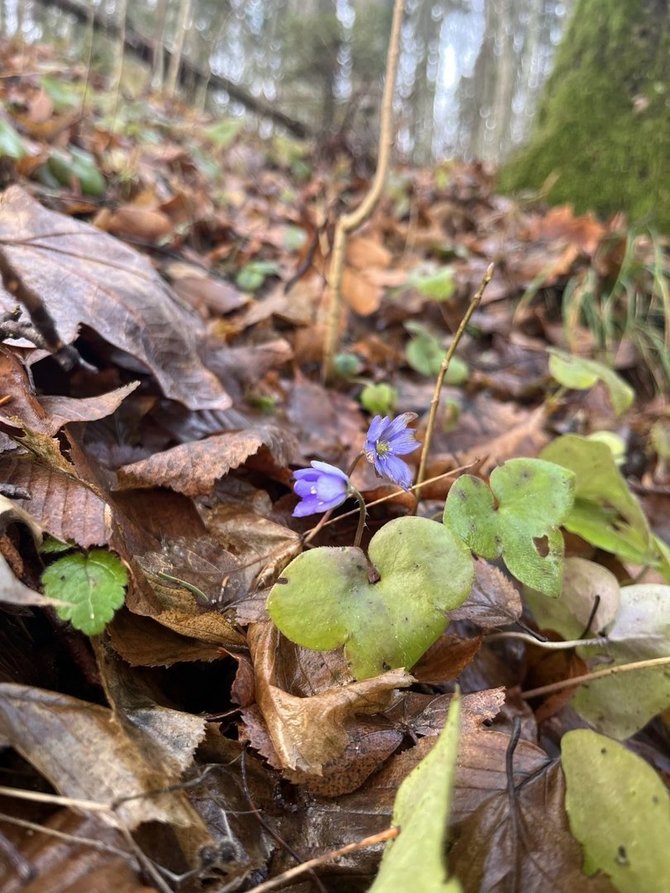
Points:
[[63, 94], [518, 518], [92, 584], [619, 811], [415, 860], [379, 399], [53, 546], [254, 274], [605, 513], [79, 166], [425, 354], [325, 599], [660, 438], [11, 144], [439, 286], [581, 374], [347, 365]]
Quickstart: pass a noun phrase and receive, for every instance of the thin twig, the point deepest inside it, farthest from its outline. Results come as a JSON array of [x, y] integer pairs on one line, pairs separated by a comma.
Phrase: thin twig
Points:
[[434, 403], [598, 674], [349, 222], [71, 838], [291, 873], [69, 802]]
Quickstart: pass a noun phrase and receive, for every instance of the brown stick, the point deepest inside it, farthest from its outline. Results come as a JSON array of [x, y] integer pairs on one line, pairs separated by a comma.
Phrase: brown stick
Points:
[[598, 674], [444, 368], [351, 221], [291, 873]]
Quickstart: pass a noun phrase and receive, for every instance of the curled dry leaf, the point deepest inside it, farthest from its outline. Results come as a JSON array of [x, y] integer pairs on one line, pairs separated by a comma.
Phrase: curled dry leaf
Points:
[[142, 642], [310, 734], [193, 468], [85, 277], [14, 592], [83, 751]]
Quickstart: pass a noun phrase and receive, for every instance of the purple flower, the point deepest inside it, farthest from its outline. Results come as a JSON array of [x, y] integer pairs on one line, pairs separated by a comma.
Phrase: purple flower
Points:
[[387, 439], [320, 488]]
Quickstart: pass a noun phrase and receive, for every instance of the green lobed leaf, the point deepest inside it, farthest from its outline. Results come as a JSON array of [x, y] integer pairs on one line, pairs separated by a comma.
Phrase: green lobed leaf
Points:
[[92, 585], [605, 512], [619, 811], [621, 704], [325, 599], [581, 374], [415, 860], [517, 518]]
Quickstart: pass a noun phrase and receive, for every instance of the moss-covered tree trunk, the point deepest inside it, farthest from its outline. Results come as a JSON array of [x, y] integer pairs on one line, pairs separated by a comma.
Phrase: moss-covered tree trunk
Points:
[[603, 127]]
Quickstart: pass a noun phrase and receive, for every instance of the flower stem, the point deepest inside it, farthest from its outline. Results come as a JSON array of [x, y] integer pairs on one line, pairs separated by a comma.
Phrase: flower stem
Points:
[[434, 403], [361, 518]]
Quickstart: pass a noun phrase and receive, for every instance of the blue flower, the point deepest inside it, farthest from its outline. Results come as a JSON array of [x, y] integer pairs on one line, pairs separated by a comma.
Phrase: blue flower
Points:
[[320, 488], [387, 439]]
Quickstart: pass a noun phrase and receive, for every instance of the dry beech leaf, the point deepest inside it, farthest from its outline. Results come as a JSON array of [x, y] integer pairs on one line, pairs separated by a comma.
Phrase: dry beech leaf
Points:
[[62, 506], [82, 750], [494, 600], [85, 277], [522, 842], [63, 410], [360, 293], [446, 658], [193, 468], [143, 642], [310, 733], [65, 866]]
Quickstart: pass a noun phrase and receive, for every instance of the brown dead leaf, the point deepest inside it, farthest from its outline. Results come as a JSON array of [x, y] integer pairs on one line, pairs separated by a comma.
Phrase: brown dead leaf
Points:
[[143, 642], [64, 410], [61, 505], [84, 753], [62, 865], [13, 591], [147, 225], [445, 659], [85, 277], [360, 292], [312, 733], [193, 468], [364, 252], [522, 842], [561, 224], [493, 601]]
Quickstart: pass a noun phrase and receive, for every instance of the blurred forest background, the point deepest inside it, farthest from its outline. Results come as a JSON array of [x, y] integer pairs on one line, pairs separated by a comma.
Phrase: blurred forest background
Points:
[[471, 71]]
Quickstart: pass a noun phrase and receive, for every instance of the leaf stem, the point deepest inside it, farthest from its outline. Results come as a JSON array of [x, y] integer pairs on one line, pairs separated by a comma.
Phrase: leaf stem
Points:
[[600, 641], [598, 674], [444, 368], [361, 518]]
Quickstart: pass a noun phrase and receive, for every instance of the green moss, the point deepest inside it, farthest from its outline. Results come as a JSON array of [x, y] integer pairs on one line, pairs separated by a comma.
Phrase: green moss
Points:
[[603, 127]]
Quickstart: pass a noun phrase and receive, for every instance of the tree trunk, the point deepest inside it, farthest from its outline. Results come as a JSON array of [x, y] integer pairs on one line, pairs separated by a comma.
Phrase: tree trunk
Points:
[[180, 37], [603, 128]]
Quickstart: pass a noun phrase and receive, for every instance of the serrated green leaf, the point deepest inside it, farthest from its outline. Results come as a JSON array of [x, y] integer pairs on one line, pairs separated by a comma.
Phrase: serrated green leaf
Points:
[[517, 518], [605, 512], [91, 584], [621, 704], [53, 546], [581, 374], [415, 860], [619, 811], [379, 399], [325, 599], [11, 144]]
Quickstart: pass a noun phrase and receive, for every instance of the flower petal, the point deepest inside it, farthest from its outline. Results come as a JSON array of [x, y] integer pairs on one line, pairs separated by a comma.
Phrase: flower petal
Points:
[[325, 468], [397, 471], [402, 443]]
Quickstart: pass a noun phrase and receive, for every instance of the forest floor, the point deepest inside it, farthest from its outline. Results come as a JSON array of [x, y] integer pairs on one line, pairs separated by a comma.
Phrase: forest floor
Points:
[[182, 263]]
